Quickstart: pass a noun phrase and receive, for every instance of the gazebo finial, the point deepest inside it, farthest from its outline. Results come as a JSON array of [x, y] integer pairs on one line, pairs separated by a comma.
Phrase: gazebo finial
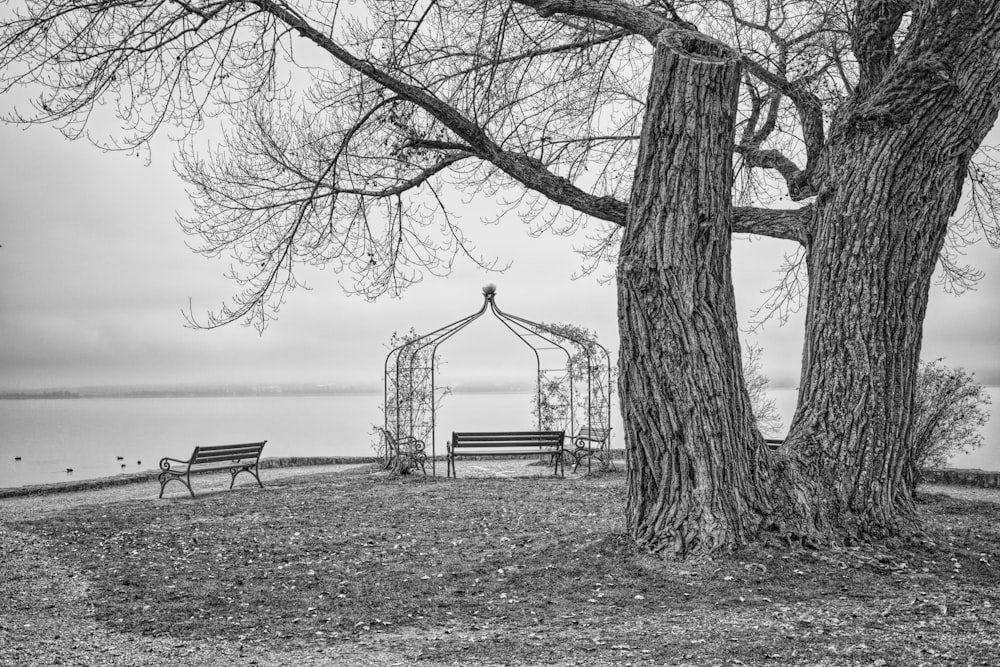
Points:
[[489, 290]]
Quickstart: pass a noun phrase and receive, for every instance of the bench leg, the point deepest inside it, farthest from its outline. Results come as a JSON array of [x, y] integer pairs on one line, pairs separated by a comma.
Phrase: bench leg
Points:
[[236, 471], [603, 456], [165, 479]]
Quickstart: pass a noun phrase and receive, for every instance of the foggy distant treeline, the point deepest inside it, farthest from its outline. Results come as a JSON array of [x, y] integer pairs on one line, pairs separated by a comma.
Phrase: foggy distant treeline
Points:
[[207, 391], [33, 395]]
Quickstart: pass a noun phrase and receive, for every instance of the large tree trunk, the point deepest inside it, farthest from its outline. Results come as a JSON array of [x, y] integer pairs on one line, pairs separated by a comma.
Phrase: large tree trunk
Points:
[[696, 462], [870, 264], [895, 166], [871, 260]]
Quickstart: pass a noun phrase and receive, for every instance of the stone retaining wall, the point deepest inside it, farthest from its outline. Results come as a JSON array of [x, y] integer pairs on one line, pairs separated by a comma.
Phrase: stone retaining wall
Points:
[[980, 478], [984, 478], [120, 480]]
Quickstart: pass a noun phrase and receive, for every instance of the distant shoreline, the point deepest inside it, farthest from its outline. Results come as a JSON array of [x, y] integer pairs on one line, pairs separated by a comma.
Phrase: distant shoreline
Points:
[[31, 396], [179, 393], [225, 392]]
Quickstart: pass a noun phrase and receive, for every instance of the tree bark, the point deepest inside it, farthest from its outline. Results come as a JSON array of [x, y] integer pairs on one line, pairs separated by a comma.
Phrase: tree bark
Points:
[[696, 462], [894, 172]]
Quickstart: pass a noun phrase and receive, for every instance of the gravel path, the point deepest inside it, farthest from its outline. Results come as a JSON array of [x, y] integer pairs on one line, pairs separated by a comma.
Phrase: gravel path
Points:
[[977, 493]]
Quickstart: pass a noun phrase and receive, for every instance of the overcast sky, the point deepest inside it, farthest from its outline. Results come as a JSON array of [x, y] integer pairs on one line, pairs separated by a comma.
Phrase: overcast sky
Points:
[[94, 274]]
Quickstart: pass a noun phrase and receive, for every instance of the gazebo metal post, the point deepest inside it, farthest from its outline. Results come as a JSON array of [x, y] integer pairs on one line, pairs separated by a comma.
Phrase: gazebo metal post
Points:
[[506, 321], [585, 345], [415, 346]]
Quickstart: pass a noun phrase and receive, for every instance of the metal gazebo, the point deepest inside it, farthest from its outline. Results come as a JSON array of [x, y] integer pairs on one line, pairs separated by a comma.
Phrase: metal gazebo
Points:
[[565, 358]]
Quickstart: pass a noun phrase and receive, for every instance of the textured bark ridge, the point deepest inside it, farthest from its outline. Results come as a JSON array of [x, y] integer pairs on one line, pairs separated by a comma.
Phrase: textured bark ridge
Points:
[[695, 459], [893, 175]]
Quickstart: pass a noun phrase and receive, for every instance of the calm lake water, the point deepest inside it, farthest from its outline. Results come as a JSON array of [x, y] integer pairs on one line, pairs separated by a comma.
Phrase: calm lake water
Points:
[[88, 434]]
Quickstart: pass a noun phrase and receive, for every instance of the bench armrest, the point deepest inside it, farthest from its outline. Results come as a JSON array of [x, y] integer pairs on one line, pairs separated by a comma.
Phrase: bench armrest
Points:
[[166, 460]]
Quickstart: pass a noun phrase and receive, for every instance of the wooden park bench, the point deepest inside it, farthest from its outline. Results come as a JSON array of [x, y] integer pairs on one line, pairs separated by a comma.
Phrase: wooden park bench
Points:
[[591, 443], [774, 443], [234, 458], [510, 443], [405, 453]]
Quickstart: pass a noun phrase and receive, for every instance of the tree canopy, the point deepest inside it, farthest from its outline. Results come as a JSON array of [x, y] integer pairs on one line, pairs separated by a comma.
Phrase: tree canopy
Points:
[[345, 124]]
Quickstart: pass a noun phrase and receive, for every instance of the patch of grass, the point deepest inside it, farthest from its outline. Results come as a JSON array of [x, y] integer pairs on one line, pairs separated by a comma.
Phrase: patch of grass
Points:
[[522, 570]]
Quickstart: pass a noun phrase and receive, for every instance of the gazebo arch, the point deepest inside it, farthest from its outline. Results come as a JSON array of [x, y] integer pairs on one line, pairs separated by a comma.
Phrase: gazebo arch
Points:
[[565, 358]]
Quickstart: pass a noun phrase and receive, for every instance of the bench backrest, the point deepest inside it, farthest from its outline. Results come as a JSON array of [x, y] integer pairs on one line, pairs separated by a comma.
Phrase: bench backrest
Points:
[[595, 434], [394, 442], [508, 439], [221, 453], [774, 443]]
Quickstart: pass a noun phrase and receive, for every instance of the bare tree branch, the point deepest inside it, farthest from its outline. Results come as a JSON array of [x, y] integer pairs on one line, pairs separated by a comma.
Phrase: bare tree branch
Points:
[[781, 53], [796, 179], [638, 20], [875, 25], [793, 225], [530, 172]]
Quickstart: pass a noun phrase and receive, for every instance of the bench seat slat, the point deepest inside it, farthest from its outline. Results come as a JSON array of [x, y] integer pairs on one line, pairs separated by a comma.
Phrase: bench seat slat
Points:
[[243, 445], [508, 443], [507, 450], [224, 456], [229, 449], [216, 458], [542, 435]]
